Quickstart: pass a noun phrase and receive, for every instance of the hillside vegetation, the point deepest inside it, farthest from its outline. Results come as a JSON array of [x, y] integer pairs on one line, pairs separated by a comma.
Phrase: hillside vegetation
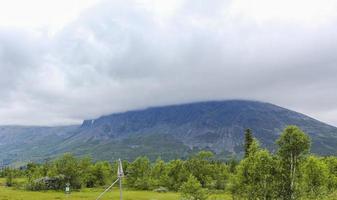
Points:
[[171, 132], [290, 173]]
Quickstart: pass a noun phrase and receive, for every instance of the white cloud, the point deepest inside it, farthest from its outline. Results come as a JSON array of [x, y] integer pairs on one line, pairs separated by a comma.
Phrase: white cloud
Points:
[[309, 12], [44, 15], [122, 55]]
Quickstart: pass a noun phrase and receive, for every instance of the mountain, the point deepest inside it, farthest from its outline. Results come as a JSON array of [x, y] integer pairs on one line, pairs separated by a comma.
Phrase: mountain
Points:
[[25, 143], [169, 131]]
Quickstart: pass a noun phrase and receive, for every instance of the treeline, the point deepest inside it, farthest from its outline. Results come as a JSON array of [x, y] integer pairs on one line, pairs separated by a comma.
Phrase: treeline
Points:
[[291, 173], [56, 174]]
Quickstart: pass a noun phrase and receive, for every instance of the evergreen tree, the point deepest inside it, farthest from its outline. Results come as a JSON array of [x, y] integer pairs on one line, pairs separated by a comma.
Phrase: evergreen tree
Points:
[[248, 141]]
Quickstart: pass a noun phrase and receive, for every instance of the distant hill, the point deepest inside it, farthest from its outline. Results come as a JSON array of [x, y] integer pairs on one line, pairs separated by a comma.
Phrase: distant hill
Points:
[[30, 143], [169, 132]]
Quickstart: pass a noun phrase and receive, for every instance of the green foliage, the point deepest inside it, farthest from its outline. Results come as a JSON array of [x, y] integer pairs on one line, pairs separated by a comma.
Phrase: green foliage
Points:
[[67, 169], [232, 164], [201, 167], [255, 175], [159, 175], [289, 174], [220, 176], [139, 174], [248, 141], [177, 174], [98, 174], [10, 174], [331, 163], [315, 177], [10, 178], [142, 175], [47, 183], [204, 155], [85, 194], [294, 145], [192, 190]]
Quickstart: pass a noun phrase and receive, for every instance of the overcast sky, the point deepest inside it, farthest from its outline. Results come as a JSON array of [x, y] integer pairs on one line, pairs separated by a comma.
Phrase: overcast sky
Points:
[[64, 61]]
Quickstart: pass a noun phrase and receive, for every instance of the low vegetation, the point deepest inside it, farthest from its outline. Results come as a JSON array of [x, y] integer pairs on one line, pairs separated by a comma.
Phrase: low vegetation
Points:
[[290, 173]]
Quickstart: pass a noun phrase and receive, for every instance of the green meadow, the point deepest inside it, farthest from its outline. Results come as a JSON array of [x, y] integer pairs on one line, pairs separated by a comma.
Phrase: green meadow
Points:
[[91, 194], [14, 193]]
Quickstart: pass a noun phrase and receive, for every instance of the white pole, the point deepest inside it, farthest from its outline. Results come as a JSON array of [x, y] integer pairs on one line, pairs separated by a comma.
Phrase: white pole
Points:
[[120, 189], [120, 176]]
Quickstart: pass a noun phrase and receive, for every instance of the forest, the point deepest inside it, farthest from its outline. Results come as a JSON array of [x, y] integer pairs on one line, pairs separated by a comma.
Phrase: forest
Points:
[[291, 172]]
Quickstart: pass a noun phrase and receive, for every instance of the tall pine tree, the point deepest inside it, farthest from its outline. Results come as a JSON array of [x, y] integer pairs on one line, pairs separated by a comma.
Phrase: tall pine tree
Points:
[[248, 141]]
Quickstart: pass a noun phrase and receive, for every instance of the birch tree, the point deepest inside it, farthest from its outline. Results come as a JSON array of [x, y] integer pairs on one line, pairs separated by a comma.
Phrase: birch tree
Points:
[[293, 145]]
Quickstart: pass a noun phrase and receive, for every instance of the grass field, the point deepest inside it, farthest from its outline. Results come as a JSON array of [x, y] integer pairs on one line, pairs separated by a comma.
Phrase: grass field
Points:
[[13, 193], [90, 194]]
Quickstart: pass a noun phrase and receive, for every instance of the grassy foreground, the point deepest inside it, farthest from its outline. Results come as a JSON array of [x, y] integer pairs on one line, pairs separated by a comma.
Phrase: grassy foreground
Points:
[[7, 193], [12, 193]]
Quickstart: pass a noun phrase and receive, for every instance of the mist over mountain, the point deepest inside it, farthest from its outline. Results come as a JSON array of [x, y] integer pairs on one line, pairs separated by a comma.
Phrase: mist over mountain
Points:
[[168, 132]]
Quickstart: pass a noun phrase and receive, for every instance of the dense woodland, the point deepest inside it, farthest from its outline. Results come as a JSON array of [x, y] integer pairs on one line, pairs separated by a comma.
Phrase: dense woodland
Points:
[[291, 173]]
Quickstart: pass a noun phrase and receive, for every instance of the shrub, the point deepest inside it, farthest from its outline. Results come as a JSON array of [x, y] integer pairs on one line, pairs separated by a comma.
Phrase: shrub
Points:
[[47, 183], [192, 190]]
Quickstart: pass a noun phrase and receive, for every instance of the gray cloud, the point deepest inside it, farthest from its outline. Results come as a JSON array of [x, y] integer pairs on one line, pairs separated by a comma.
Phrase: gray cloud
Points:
[[122, 55]]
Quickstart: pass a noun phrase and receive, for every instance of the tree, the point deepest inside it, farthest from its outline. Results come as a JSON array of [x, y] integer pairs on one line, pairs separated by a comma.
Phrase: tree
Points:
[[331, 163], [139, 173], [67, 166], [159, 175], [248, 141], [220, 174], [33, 172], [200, 167], [293, 145], [192, 190], [10, 178], [99, 174], [87, 167], [177, 174], [315, 177], [255, 175], [232, 164]]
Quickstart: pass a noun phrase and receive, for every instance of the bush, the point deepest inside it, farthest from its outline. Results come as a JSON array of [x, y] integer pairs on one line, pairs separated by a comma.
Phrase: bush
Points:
[[10, 179], [47, 183], [315, 177], [192, 190]]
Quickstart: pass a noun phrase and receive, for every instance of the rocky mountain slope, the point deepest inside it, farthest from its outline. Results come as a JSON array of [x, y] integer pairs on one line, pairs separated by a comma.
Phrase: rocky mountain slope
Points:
[[169, 131]]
